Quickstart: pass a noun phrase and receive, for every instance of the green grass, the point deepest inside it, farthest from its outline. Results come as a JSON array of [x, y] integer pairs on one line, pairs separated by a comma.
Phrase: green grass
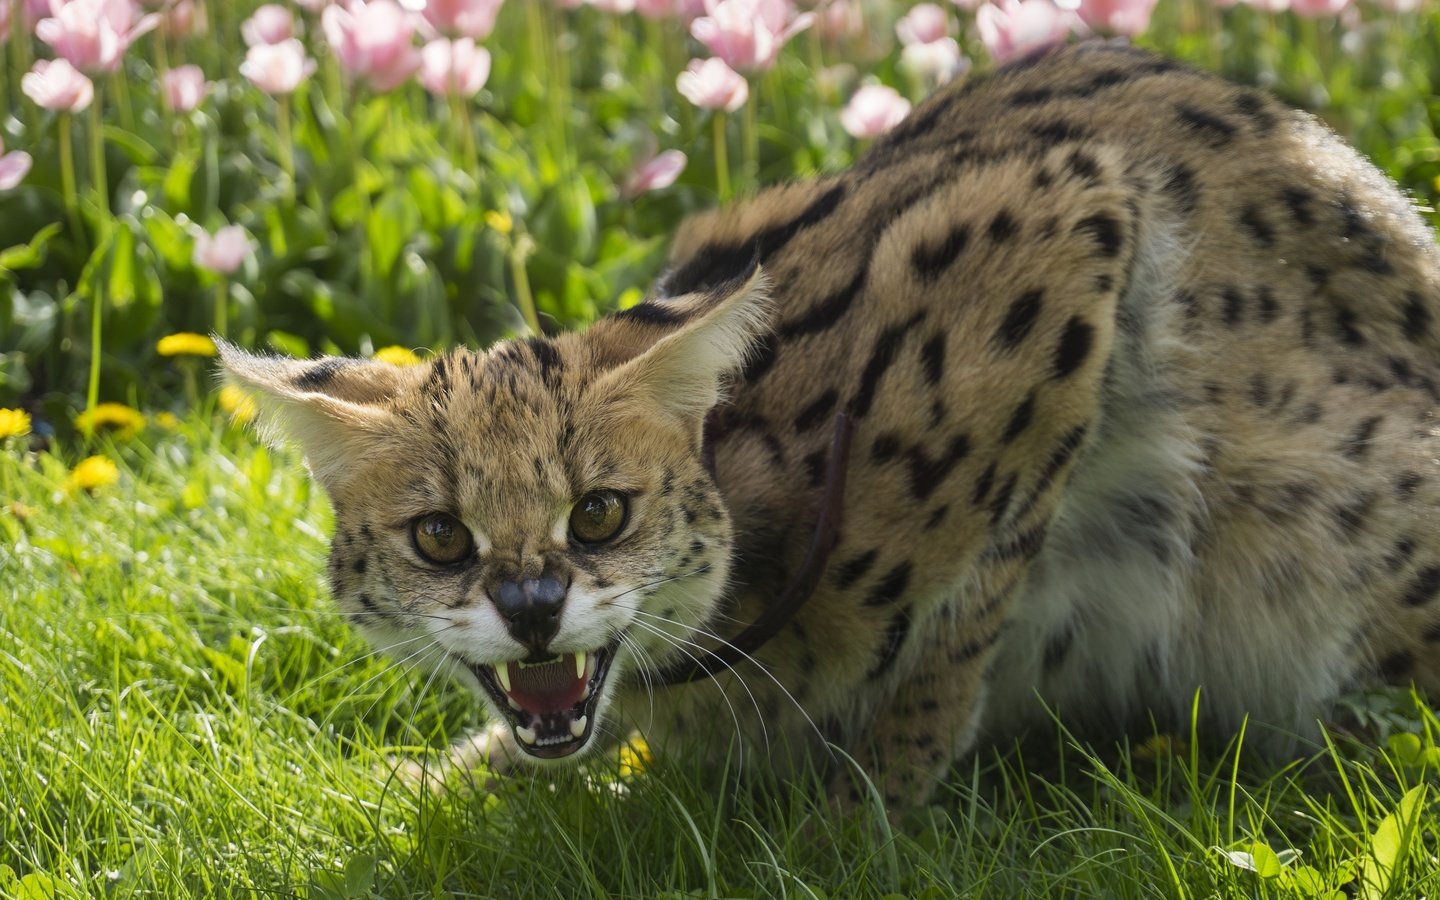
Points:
[[182, 713]]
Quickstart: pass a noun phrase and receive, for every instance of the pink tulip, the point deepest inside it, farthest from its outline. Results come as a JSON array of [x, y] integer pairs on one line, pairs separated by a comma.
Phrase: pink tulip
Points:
[[185, 87], [178, 20], [713, 85], [270, 24], [937, 62], [222, 252], [373, 41], [748, 34], [1016, 27], [454, 67], [313, 6], [4, 22], [1127, 17], [614, 6], [1317, 8], [925, 23], [277, 68], [655, 172], [463, 18], [874, 110], [656, 9], [840, 20], [93, 35], [15, 165], [55, 84]]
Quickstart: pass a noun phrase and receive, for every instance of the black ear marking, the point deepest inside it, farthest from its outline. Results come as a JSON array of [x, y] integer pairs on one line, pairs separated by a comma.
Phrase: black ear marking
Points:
[[322, 373]]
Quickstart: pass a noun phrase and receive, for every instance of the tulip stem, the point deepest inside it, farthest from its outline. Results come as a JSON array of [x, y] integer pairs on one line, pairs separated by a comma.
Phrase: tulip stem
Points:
[[751, 136], [722, 160], [222, 306], [67, 182], [97, 170], [287, 145], [520, 249]]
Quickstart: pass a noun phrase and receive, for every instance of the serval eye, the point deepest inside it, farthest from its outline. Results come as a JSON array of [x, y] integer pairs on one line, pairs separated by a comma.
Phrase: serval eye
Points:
[[441, 539], [598, 516]]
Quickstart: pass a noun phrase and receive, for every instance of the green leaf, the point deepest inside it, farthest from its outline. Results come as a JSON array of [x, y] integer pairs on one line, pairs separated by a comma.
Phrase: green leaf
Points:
[[31, 255], [1405, 747], [393, 222], [359, 874], [1390, 843]]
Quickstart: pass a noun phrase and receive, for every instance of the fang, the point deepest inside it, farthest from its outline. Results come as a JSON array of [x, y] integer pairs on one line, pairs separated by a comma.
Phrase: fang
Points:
[[580, 664], [577, 726], [527, 735], [502, 672]]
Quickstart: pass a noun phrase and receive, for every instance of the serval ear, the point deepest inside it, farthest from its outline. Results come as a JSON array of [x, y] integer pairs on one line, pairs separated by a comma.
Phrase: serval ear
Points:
[[684, 374], [335, 409]]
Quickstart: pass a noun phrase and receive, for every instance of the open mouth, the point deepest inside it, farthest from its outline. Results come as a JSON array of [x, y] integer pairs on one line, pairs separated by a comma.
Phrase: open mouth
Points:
[[550, 703]]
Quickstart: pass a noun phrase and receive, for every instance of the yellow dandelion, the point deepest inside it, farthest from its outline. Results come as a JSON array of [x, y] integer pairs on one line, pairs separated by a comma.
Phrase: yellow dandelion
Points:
[[397, 356], [635, 756], [240, 405], [185, 343], [114, 417], [167, 420], [14, 423], [92, 473], [500, 221]]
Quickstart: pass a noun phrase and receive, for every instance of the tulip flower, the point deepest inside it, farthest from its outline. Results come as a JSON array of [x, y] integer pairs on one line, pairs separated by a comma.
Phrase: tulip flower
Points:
[[748, 34], [13, 167], [185, 87], [655, 172], [56, 84], [874, 110], [1128, 17], [712, 84], [93, 35], [373, 42], [277, 68], [1015, 27], [270, 24], [925, 23], [462, 18], [454, 68]]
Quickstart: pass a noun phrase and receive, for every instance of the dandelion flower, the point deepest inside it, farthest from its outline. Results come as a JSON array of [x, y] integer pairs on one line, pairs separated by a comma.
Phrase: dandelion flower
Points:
[[115, 417], [167, 420], [92, 474], [240, 405], [500, 221], [185, 343], [14, 423], [397, 356], [635, 757]]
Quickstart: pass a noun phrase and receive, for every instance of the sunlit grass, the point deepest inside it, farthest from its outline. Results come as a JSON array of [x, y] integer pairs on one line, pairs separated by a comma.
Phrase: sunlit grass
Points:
[[183, 713]]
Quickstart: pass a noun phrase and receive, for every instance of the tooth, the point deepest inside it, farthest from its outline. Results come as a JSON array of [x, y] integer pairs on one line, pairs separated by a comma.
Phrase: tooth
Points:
[[577, 726], [513, 705], [580, 664], [585, 695], [527, 735], [502, 672]]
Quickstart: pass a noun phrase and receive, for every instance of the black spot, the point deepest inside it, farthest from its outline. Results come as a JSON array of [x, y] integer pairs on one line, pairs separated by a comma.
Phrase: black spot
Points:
[[1358, 443], [1019, 320], [323, 372], [1059, 132], [1214, 130], [1407, 484], [358, 566], [1253, 106], [1259, 229], [1269, 309], [815, 467], [1019, 420], [926, 473], [715, 263], [815, 413], [1234, 305], [891, 586], [1180, 185], [983, 484], [1000, 503], [1417, 317], [1298, 200], [931, 260], [1074, 346], [652, 313], [1105, 230], [1423, 589], [762, 358], [1084, 166], [932, 357], [885, 447], [1396, 665], [1402, 553], [1375, 263], [1057, 648], [1025, 545], [854, 568], [1351, 517], [895, 633], [1345, 324], [547, 357], [1259, 390], [1002, 227], [937, 515], [882, 357], [827, 312], [1031, 97]]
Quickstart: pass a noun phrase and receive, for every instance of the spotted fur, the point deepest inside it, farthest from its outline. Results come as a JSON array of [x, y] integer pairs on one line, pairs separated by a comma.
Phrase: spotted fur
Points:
[[1143, 372]]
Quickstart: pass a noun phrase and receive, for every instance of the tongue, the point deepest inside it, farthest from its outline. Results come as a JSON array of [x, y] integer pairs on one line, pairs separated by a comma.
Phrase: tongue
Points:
[[547, 688]]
